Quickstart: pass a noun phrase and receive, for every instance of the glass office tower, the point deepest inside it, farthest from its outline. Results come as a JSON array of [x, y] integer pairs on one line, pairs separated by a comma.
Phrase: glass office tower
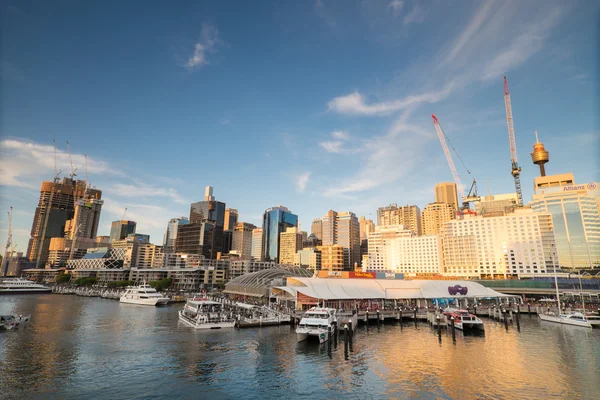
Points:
[[275, 220]]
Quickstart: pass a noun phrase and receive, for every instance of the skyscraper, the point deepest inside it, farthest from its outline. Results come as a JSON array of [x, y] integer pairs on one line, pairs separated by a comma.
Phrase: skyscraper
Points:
[[575, 218], [343, 229], [409, 216], [257, 243], [445, 192], [204, 234], [435, 215], [317, 228], [87, 215], [231, 219], [290, 242], [171, 233], [55, 207], [275, 221], [242, 239], [366, 226], [119, 230]]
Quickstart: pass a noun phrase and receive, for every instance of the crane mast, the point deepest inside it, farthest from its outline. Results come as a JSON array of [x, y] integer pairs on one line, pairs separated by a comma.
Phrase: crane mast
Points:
[[8, 243], [515, 169]]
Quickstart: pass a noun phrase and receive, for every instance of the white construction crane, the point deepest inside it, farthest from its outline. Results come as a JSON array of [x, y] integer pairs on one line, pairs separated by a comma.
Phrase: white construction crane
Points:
[[56, 170], [472, 195], [8, 243], [73, 174], [515, 169]]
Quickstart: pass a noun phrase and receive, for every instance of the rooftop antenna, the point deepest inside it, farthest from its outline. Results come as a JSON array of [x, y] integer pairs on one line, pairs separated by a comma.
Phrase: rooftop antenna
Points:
[[124, 212], [56, 171], [488, 186], [73, 174]]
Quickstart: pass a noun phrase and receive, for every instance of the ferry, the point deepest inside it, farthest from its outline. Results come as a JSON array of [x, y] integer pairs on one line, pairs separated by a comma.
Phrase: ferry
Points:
[[20, 285], [144, 295], [201, 313], [463, 320], [256, 316], [316, 322]]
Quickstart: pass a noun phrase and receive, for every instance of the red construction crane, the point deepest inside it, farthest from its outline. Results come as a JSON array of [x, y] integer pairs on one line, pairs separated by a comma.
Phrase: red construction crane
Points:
[[515, 169], [472, 195]]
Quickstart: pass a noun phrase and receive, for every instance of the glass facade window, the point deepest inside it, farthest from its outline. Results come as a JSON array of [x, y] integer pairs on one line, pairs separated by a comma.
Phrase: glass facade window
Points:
[[275, 221]]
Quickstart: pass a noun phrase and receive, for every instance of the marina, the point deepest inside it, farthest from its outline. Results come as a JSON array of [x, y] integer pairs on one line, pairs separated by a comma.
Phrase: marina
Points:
[[389, 359]]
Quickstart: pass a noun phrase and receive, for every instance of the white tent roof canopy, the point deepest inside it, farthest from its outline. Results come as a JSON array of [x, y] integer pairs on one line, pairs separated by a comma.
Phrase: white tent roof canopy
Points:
[[350, 289]]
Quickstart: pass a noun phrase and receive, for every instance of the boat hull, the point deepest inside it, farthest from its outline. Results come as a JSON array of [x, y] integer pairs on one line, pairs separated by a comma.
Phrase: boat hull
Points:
[[321, 334], [564, 321], [162, 301], [469, 326], [24, 291], [205, 325]]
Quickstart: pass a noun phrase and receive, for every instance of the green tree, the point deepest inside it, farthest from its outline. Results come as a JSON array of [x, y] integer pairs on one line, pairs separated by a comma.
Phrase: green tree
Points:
[[162, 284], [63, 278]]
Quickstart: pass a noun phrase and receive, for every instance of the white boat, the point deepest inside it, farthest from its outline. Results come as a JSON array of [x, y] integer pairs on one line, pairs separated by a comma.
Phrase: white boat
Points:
[[463, 320], [316, 322], [252, 316], [201, 313], [20, 285], [144, 295], [593, 319], [576, 319]]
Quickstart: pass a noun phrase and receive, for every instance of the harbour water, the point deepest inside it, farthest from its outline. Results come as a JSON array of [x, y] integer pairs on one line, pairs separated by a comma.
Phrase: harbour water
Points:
[[89, 348]]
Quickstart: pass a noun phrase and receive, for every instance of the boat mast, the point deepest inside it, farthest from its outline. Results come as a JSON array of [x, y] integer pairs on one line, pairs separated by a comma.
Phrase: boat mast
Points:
[[557, 296]]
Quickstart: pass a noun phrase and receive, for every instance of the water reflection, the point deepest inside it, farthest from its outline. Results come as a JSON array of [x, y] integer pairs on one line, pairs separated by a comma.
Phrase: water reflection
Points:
[[90, 348]]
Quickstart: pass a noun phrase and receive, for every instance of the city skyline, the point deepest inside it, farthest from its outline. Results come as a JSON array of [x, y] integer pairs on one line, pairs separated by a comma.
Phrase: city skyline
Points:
[[311, 142]]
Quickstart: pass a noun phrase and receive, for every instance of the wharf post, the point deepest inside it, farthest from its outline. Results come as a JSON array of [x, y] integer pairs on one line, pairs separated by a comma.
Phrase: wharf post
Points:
[[378, 319], [346, 341], [351, 337], [475, 309], [453, 330], [367, 319], [505, 319], [335, 334], [416, 320], [518, 315]]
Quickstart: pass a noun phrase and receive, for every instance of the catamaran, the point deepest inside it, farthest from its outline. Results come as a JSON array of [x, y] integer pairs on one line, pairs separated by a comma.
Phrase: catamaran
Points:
[[574, 318], [316, 322]]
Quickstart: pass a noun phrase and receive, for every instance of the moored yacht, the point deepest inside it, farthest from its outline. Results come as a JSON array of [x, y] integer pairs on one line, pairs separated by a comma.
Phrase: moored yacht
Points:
[[144, 295], [593, 319], [316, 322], [463, 320], [20, 285], [201, 313], [576, 319]]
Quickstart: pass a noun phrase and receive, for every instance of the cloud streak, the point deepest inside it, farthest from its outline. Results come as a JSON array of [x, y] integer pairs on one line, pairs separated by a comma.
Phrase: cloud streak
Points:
[[208, 42], [302, 181], [142, 190]]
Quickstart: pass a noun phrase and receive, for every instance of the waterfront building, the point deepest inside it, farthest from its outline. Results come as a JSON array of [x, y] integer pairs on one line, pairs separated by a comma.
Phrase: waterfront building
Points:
[[317, 228], [378, 242], [409, 216], [242, 239], [170, 237], [343, 229], [494, 247], [100, 258], [130, 246], [119, 230], [332, 257], [59, 250], [415, 255], [243, 267], [149, 255], [16, 264], [257, 243], [435, 215], [309, 258], [257, 285], [575, 217], [230, 219], [275, 221], [497, 205], [56, 206], [290, 242], [446, 192]]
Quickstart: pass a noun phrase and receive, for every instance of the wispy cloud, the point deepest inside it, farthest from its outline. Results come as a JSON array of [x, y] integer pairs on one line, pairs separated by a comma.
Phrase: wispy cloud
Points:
[[355, 104], [415, 15], [143, 190], [396, 6], [339, 144], [302, 181], [323, 12], [209, 40]]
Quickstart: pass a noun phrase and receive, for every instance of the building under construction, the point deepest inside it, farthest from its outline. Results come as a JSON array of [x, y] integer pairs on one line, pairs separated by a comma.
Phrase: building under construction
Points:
[[59, 204]]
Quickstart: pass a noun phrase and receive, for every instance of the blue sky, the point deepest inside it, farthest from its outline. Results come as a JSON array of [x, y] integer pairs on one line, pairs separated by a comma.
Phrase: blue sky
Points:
[[314, 105]]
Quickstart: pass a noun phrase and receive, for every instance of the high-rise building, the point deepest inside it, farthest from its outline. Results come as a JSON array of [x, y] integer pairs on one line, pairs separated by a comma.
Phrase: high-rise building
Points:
[[55, 207], [317, 228], [257, 243], [204, 234], [520, 243], [435, 215], [86, 218], [171, 233], [366, 226], [119, 230], [231, 219], [311, 241], [415, 255], [227, 241], [445, 192], [378, 242], [332, 258], [497, 205], [290, 242], [309, 258], [409, 216], [275, 220], [343, 229], [242, 240], [130, 246], [575, 218], [149, 256]]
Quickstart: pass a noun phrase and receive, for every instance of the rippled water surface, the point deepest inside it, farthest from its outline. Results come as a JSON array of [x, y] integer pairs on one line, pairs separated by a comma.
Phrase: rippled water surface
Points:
[[89, 348]]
